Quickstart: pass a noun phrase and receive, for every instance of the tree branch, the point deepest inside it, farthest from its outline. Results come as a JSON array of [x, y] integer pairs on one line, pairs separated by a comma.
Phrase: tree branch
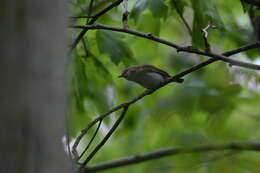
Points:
[[111, 131], [147, 92], [90, 10], [93, 20], [179, 48], [170, 152], [91, 140], [96, 5], [242, 49]]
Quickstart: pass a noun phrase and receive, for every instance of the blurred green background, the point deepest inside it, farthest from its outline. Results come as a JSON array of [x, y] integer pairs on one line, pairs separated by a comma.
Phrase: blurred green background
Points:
[[214, 105]]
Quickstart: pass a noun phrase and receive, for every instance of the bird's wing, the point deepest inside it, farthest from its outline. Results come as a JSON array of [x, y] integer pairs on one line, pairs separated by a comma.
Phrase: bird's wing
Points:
[[152, 68]]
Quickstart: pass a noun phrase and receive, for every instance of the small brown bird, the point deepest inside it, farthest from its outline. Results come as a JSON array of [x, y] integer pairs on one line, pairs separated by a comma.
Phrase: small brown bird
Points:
[[147, 76]]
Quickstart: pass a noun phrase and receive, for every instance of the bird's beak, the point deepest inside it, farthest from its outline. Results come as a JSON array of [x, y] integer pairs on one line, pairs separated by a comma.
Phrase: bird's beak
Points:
[[121, 75]]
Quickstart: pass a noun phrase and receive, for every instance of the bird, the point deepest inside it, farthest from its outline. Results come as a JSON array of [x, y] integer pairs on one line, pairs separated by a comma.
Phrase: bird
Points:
[[146, 75]]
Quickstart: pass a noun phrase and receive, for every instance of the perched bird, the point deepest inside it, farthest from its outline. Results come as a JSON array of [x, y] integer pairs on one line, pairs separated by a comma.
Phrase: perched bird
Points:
[[147, 76]]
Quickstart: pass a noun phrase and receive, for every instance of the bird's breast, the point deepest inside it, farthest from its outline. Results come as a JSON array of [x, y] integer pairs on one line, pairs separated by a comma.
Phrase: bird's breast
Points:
[[148, 80]]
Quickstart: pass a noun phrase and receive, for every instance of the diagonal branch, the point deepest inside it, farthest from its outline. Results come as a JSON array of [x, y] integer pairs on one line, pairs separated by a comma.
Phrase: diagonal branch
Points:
[[90, 125], [170, 152], [179, 48], [97, 5], [90, 142], [147, 92], [93, 20], [111, 131]]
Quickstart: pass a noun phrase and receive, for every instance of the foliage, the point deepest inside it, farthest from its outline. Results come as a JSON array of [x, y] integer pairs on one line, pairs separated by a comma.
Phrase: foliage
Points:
[[217, 104]]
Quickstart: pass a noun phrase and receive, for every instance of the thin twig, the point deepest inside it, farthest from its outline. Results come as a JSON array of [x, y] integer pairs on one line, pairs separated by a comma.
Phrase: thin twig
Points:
[[91, 140], [91, 124], [205, 37], [92, 21], [147, 92], [90, 10], [242, 49], [85, 10], [111, 131], [95, 6], [171, 44], [172, 151], [182, 18]]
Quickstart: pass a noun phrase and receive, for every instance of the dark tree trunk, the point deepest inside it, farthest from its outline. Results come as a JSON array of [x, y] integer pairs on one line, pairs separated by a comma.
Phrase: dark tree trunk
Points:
[[33, 86]]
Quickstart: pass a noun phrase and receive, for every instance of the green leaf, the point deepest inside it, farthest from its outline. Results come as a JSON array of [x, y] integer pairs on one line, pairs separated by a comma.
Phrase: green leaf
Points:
[[150, 24], [111, 44], [82, 2], [158, 8], [178, 5], [204, 12], [138, 8], [88, 54]]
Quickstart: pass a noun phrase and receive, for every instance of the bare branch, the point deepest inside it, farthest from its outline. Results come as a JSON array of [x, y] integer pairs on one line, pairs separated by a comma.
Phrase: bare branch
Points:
[[111, 131], [170, 152], [95, 6], [90, 10], [125, 106], [242, 49], [85, 10], [93, 20], [147, 92], [90, 142], [171, 44]]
